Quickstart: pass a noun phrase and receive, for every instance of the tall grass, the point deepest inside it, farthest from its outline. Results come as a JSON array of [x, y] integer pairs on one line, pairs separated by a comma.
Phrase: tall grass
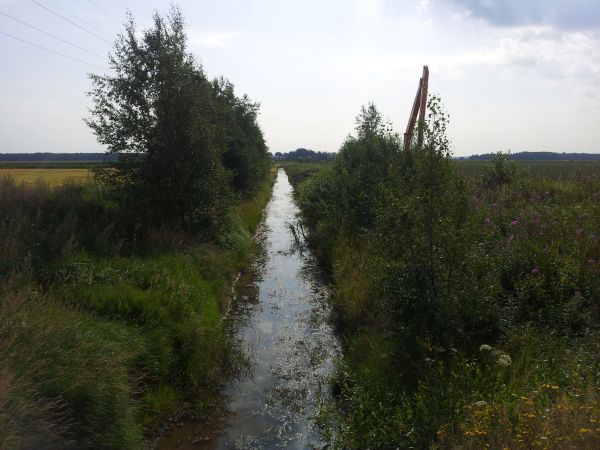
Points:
[[108, 328]]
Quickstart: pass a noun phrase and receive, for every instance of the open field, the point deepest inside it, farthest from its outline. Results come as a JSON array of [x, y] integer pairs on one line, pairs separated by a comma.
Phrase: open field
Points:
[[56, 173], [545, 169], [48, 164], [52, 176]]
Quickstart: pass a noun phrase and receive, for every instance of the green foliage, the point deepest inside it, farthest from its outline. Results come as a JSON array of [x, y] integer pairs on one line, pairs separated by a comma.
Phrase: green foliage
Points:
[[107, 329], [111, 294], [428, 268], [304, 155], [67, 378], [166, 296], [498, 171], [184, 144], [246, 153], [40, 225]]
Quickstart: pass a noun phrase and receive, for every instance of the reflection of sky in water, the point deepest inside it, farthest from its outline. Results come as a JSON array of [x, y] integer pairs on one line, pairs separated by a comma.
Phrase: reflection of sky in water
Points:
[[290, 345]]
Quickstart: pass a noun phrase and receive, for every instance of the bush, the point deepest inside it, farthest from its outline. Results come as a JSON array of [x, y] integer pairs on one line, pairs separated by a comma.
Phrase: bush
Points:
[[499, 170], [452, 294], [183, 145]]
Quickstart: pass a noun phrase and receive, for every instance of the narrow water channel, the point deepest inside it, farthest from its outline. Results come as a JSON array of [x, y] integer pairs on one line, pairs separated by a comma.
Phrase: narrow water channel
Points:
[[279, 316]]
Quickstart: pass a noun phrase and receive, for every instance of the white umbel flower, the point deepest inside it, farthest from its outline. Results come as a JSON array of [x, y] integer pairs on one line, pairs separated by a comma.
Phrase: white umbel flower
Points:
[[504, 360]]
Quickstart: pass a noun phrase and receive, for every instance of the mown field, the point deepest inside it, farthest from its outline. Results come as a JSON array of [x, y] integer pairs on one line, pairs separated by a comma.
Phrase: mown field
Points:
[[51, 176], [51, 172]]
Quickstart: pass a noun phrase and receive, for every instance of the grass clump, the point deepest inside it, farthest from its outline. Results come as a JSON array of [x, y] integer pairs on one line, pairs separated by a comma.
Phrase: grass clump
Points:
[[68, 378]]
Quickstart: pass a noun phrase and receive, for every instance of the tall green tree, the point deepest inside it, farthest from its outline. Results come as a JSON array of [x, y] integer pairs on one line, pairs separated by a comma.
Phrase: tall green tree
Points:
[[156, 111], [246, 154]]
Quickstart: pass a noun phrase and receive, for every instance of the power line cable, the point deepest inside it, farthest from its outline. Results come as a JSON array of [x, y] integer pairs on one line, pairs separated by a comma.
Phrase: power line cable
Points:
[[104, 12], [51, 51], [76, 17], [52, 35], [70, 21]]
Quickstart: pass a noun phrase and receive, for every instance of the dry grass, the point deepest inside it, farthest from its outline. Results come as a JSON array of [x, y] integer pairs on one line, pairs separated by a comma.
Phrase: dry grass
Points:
[[569, 420], [52, 177]]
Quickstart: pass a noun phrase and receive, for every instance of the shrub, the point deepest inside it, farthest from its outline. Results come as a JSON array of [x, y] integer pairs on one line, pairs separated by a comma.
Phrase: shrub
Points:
[[498, 171], [453, 294]]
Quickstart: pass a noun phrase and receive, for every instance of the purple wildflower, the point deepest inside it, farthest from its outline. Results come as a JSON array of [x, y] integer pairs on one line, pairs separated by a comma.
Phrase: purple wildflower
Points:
[[535, 270], [487, 221], [514, 223]]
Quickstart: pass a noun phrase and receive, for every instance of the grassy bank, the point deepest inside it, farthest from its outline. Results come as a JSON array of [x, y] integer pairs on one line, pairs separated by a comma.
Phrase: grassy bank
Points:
[[108, 329], [469, 313]]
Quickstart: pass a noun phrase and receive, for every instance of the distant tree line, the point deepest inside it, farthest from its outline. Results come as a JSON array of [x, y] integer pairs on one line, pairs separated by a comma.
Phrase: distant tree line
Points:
[[303, 154], [57, 157], [187, 146], [540, 156]]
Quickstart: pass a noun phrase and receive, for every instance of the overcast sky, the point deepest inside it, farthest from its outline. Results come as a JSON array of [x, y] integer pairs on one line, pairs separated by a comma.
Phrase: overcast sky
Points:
[[514, 74]]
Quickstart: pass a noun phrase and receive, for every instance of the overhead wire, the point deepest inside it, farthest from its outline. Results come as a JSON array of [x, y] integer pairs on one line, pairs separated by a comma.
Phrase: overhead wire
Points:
[[51, 50], [103, 11], [70, 21], [51, 35], [75, 16]]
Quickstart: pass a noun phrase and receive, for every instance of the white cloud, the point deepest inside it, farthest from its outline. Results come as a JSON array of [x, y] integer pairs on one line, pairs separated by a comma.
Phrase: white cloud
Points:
[[552, 54], [212, 39]]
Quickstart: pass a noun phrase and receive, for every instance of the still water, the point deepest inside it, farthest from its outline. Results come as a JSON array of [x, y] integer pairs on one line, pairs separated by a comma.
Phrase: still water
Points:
[[279, 316]]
